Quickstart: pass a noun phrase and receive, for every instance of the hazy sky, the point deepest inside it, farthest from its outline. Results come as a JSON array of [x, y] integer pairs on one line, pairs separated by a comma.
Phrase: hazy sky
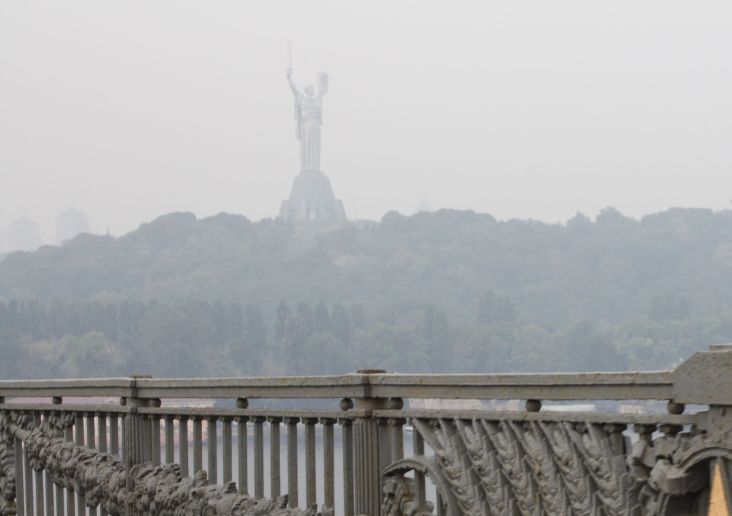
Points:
[[128, 110]]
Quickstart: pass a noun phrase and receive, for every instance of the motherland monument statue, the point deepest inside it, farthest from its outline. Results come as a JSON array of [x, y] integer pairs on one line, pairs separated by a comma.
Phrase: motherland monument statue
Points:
[[311, 198]]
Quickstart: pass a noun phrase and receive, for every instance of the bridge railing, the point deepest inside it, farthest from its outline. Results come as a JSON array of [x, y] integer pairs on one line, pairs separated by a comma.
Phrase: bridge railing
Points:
[[348, 453]]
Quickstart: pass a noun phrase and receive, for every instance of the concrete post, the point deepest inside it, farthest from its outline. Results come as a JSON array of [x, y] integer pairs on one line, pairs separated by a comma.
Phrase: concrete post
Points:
[[134, 432], [367, 447]]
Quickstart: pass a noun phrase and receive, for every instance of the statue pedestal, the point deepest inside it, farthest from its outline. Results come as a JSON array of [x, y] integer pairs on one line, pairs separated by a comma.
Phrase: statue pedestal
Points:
[[312, 199]]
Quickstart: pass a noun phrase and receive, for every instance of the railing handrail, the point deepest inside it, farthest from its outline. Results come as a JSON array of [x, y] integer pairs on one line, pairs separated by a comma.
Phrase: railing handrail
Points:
[[558, 386], [704, 378]]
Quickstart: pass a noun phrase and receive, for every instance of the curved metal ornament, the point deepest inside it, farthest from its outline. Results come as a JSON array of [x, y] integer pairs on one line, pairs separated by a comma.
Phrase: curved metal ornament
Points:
[[428, 467]]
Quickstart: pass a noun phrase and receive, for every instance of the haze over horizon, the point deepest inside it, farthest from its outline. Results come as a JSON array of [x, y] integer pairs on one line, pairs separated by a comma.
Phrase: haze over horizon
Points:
[[131, 111]]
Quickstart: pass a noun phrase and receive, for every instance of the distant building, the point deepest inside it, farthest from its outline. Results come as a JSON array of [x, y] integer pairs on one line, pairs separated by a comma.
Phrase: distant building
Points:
[[70, 224], [23, 235]]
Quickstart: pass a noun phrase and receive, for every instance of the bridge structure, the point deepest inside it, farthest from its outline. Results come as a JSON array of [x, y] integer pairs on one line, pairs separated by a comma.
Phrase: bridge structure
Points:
[[63, 452]]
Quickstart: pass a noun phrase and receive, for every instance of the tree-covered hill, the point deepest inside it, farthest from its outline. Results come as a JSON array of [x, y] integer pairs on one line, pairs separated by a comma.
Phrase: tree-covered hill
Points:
[[612, 268], [610, 293]]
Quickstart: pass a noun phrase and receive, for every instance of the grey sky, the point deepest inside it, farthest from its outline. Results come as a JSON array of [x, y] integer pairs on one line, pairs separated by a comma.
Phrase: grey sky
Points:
[[129, 110]]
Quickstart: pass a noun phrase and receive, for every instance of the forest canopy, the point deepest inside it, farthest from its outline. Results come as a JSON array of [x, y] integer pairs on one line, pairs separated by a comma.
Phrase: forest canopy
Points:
[[441, 291]]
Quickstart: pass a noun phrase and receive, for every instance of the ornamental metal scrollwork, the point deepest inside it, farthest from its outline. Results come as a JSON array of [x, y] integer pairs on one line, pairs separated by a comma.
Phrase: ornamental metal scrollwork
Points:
[[102, 478], [504, 467], [7, 472]]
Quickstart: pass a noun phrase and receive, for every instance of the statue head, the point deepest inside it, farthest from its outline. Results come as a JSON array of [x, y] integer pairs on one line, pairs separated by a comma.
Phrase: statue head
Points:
[[309, 91]]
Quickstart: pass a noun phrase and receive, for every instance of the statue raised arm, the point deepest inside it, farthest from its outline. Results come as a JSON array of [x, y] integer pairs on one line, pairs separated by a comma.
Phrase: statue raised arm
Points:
[[293, 87]]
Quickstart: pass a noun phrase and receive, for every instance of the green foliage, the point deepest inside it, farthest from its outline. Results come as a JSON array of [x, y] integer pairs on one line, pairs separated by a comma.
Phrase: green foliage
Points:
[[445, 291]]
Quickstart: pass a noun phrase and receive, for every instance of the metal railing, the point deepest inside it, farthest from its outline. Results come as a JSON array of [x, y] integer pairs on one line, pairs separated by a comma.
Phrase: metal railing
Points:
[[338, 456]]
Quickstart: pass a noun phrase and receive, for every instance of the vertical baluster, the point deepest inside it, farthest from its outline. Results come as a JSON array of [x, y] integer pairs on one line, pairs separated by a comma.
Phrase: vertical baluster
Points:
[[49, 493], [440, 505], [123, 434], [418, 448], [113, 434], [149, 437], [58, 492], [212, 451], [183, 445], [70, 506], [384, 443], [38, 477], [146, 422], [19, 478], [258, 457], [91, 438], [79, 439], [397, 438], [197, 445], [155, 430], [169, 440], [243, 453], [102, 430], [310, 476], [292, 486], [328, 462], [47, 480], [348, 484], [91, 443], [274, 456], [226, 437]]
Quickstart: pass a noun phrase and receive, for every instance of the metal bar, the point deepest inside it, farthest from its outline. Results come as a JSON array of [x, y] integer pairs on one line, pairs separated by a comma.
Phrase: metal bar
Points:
[[147, 437], [102, 432], [348, 483], [397, 438], [258, 457], [79, 439], [123, 434], [48, 488], [212, 451], [70, 505], [48, 484], [197, 445], [155, 444], [384, 431], [310, 478], [38, 477], [226, 438], [242, 455], [28, 472], [58, 492], [19, 477], [292, 485], [91, 443], [169, 440], [328, 463], [418, 449], [91, 438], [102, 429], [274, 456], [183, 446]]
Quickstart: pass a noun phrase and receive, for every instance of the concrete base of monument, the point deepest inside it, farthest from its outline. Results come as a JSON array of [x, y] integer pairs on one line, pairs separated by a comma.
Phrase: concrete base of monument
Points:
[[312, 200]]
